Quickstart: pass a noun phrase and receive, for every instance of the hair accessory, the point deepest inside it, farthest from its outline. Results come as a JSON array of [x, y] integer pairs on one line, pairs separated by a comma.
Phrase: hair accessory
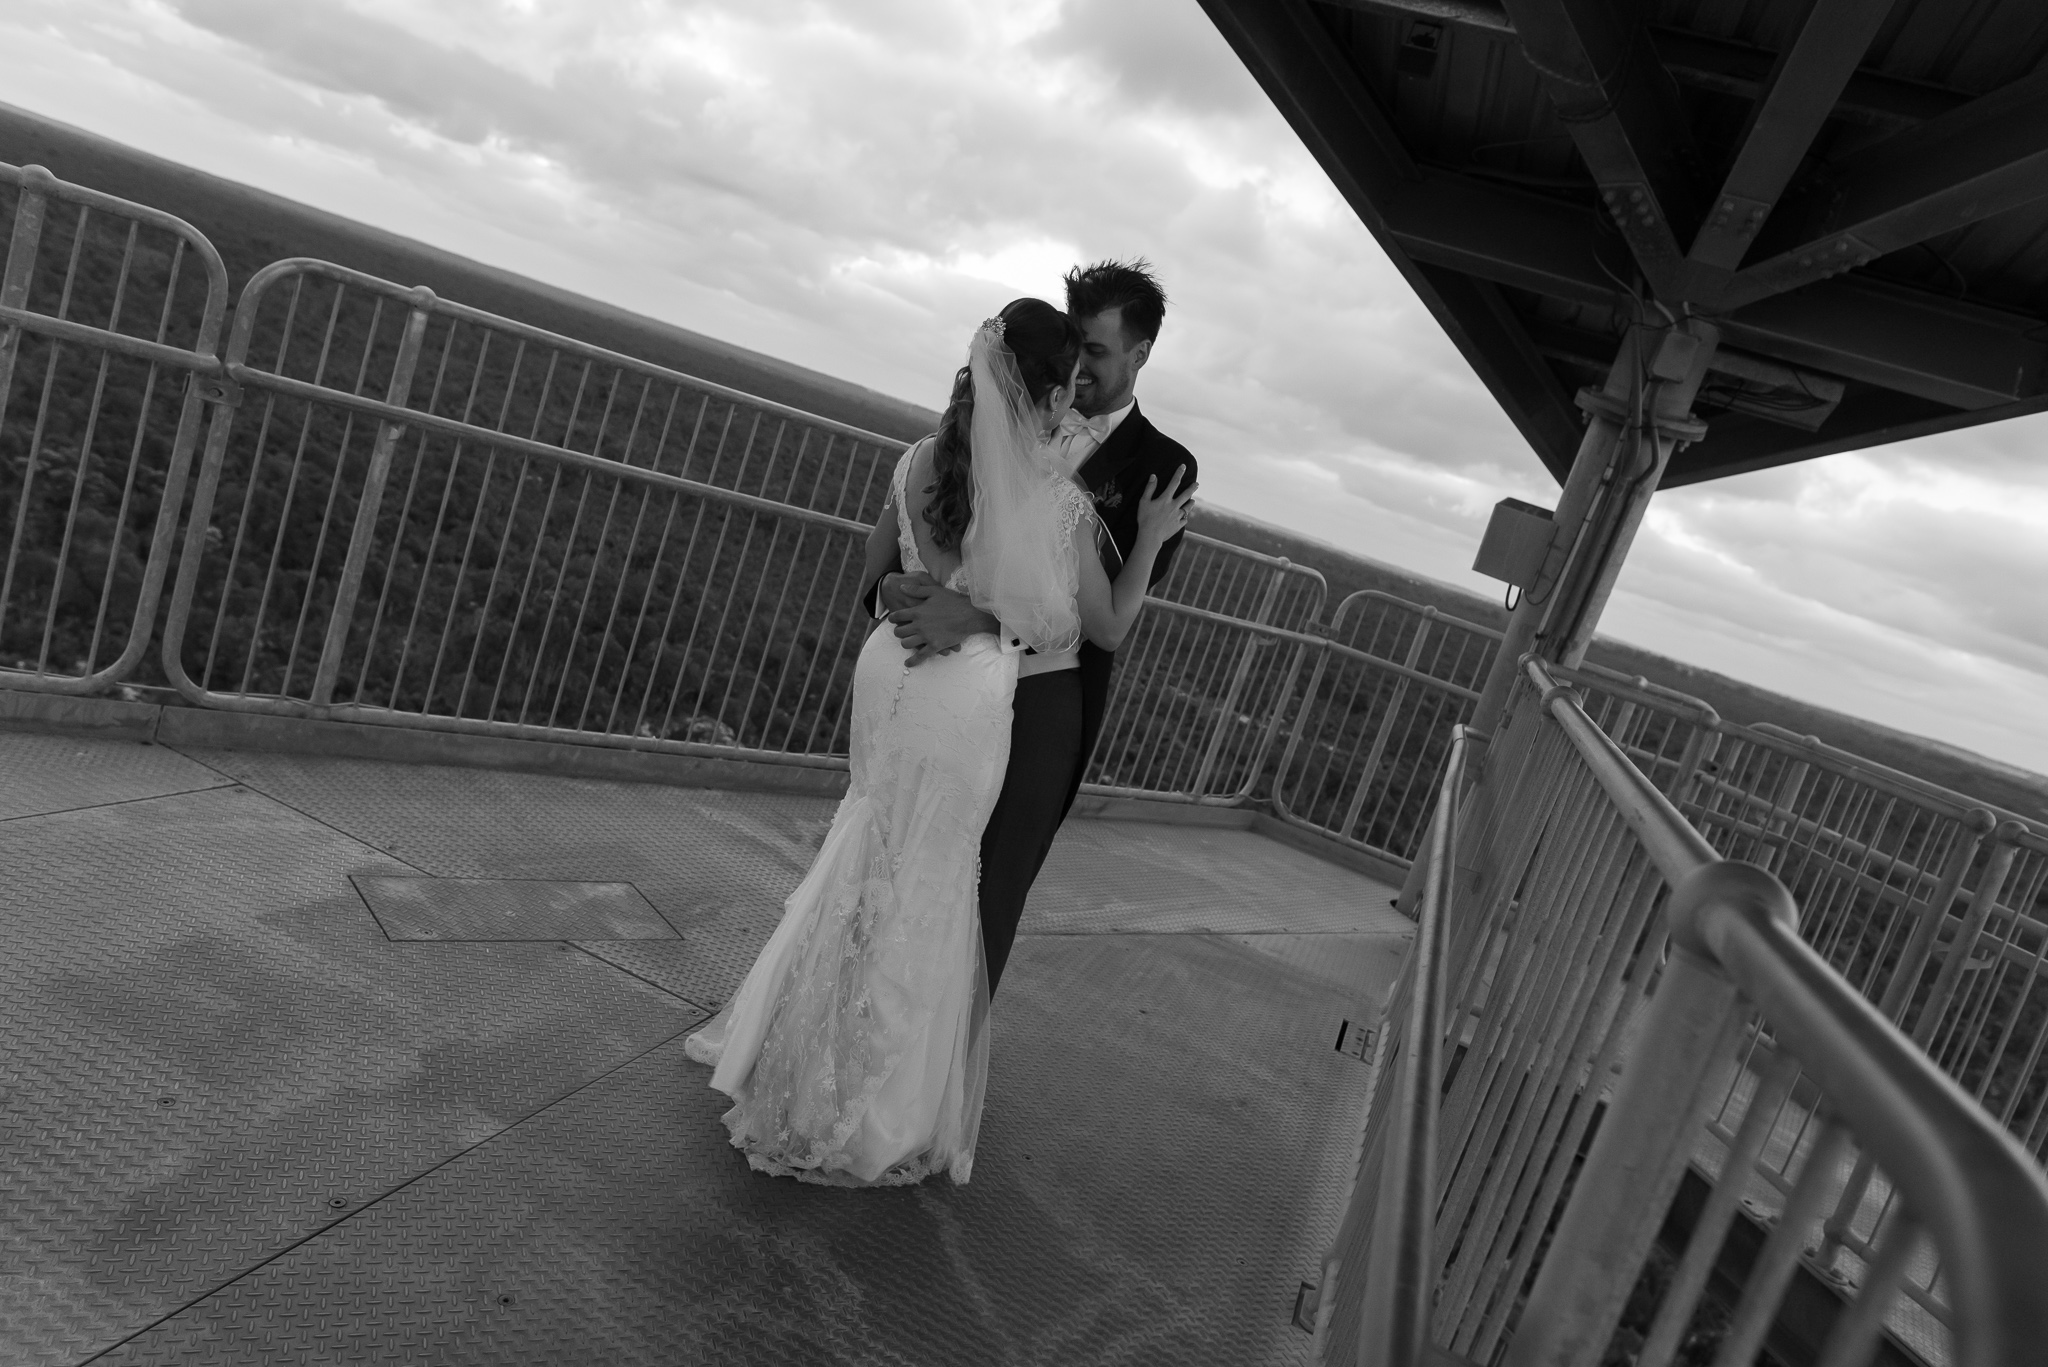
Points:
[[994, 325]]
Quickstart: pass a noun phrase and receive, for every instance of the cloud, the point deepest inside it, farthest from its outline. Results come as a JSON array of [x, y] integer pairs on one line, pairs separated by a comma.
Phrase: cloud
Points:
[[854, 185]]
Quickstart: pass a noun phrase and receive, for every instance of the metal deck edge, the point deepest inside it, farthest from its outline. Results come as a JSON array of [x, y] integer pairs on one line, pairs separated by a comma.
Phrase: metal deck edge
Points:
[[202, 728]]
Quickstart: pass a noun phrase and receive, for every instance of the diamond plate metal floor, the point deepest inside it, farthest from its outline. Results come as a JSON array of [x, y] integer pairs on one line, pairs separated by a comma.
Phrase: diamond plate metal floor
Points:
[[239, 1124]]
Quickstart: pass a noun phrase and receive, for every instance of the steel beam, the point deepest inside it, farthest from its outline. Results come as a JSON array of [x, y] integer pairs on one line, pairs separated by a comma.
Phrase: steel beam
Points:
[[1510, 236], [1915, 341], [1989, 156], [1704, 62], [1797, 100], [1314, 86], [1620, 105], [1871, 98], [1866, 418]]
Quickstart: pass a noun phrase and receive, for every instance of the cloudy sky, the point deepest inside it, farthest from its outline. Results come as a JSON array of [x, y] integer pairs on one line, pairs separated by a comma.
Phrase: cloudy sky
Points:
[[852, 184]]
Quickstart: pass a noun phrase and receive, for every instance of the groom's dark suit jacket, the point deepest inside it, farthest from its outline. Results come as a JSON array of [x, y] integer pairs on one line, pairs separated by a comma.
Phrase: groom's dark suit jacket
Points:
[[1116, 475]]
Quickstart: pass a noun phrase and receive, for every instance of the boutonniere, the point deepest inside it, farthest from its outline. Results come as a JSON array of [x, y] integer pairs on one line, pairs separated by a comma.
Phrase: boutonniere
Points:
[[1110, 498]]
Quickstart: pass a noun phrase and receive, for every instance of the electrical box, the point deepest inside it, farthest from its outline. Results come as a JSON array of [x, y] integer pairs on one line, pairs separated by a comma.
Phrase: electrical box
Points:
[[1517, 540]]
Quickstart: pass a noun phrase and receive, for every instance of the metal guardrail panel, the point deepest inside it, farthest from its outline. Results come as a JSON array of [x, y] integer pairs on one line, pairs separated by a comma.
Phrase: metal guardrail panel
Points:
[[1203, 685], [110, 314], [412, 518], [1373, 723], [1901, 886]]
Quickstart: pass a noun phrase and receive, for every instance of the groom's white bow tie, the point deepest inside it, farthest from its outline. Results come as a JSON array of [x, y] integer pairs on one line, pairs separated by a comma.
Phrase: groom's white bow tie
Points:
[[1072, 424]]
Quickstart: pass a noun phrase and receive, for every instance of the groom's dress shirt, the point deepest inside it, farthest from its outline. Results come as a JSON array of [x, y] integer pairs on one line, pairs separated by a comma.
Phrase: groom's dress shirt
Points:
[[1080, 437]]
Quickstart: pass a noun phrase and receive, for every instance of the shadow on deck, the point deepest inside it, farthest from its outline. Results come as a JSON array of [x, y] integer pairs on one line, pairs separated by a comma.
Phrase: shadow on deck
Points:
[[244, 1124]]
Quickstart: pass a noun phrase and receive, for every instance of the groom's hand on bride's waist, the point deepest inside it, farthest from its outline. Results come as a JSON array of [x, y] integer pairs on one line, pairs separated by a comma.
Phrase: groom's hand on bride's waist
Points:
[[929, 618]]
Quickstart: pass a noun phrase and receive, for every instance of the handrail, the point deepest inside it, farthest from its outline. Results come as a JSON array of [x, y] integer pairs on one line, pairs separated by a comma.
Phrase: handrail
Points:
[[1401, 1271], [1966, 1178], [247, 308], [1734, 930], [404, 419], [1671, 842]]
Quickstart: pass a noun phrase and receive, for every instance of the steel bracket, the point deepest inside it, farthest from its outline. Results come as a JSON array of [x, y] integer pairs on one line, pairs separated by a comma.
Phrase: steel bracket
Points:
[[216, 390], [1604, 405]]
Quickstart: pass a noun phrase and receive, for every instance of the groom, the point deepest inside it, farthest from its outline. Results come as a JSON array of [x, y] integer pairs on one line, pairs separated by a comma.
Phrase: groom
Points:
[[1113, 450]]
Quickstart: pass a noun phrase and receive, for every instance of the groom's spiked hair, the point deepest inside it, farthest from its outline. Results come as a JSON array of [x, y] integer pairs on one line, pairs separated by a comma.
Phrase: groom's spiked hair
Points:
[[1127, 285]]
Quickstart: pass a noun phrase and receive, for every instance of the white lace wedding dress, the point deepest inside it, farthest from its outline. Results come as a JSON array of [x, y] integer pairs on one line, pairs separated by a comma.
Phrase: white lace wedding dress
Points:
[[856, 1051]]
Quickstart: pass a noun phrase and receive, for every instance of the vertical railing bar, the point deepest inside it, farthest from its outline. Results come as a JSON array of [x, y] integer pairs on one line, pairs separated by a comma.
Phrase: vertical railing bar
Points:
[[597, 559], [1689, 1278], [803, 613], [654, 579], [1772, 1272], [1627, 886], [1633, 989], [334, 484], [1854, 1338], [476, 379], [35, 445], [85, 446], [363, 534], [848, 615], [1475, 1102], [1550, 990], [220, 617], [569, 557], [540, 526], [619, 592], [668, 620], [732, 593], [697, 616], [469, 541], [419, 451], [134, 464]]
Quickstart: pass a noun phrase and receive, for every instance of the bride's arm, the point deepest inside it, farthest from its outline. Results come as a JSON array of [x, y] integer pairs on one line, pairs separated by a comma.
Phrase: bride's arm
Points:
[[1108, 610]]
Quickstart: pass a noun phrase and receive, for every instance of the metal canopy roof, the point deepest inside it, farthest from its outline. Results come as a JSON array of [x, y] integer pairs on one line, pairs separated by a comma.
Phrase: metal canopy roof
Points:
[[1856, 191]]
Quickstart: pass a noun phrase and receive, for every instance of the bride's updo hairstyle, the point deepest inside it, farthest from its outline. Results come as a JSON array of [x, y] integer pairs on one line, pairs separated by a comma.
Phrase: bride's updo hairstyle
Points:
[[1046, 344]]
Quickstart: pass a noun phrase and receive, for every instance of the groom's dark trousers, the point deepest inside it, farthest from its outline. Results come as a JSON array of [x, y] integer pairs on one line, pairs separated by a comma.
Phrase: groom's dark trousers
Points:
[[1058, 715]]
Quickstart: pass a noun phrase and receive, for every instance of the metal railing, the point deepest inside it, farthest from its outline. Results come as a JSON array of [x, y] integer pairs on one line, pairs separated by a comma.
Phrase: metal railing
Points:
[[1627, 1071], [110, 314], [412, 513], [1203, 685], [416, 513], [1935, 908], [1379, 1280], [1375, 719]]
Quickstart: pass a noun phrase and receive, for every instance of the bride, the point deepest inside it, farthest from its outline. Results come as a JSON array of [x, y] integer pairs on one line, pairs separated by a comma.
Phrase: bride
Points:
[[856, 1050]]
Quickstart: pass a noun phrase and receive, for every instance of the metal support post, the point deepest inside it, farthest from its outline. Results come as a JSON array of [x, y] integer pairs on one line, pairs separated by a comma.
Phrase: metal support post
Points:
[[1574, 501], [1656, 416], [1649, 389], [29, 210], [365, 529]]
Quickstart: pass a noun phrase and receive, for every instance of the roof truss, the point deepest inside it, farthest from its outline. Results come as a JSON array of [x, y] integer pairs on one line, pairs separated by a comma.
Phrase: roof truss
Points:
[[1891, 360]]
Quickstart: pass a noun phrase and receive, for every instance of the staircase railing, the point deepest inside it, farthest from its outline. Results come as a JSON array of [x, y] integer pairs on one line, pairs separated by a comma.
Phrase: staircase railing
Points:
[[1381, 1273], [1665, 1116]]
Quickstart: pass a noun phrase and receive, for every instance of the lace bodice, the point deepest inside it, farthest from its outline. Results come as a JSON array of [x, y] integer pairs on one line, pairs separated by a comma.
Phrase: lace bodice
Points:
[[1075, 506]]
